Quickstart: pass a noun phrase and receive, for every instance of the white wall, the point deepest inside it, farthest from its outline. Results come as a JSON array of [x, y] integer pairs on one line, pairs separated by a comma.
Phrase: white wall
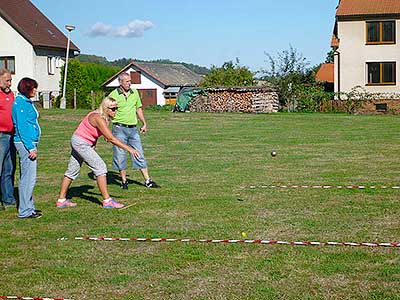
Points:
[[28, 62], [146, 83], [354, 54], [13, 44], [47, 82]]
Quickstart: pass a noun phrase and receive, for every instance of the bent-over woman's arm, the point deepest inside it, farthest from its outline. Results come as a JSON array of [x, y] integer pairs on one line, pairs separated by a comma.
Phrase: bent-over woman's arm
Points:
[[102, 125]]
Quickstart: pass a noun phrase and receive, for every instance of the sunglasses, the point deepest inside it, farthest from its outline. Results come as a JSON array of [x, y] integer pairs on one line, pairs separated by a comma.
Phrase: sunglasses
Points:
[[113, 108]]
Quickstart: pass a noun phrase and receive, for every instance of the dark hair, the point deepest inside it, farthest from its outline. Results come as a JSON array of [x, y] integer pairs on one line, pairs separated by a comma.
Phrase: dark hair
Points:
[[26, 85]]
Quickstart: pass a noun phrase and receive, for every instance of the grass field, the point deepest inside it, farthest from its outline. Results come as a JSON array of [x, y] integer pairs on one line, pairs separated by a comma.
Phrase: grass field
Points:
[[202, 161]]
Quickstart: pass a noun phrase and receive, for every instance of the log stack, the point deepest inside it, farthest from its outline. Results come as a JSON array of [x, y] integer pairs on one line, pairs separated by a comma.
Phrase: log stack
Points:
[[243, 99], [265, 102]]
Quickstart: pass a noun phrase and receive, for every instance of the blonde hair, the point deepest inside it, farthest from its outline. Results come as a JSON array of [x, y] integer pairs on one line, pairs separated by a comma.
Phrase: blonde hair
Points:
[[104, 105]]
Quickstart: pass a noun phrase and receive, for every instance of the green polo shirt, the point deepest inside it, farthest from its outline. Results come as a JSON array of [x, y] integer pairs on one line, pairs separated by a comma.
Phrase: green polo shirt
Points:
[[127, 106]]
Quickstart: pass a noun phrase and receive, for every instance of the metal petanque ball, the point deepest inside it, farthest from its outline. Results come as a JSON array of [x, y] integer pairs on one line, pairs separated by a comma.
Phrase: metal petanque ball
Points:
[[273, 153]]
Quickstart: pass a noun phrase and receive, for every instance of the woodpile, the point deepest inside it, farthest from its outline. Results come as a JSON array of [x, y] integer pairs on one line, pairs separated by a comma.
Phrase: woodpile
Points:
[[243, 99]]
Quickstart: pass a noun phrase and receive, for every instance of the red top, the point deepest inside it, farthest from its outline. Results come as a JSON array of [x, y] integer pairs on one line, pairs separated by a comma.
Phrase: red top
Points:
[[88, 132], [6, 102]]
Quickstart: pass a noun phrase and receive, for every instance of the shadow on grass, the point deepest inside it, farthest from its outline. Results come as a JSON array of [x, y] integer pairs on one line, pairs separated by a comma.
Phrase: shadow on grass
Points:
[[84, 192], [114, 178]]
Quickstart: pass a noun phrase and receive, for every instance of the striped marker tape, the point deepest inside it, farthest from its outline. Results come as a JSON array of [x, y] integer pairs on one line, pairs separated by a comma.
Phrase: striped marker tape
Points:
[[359, 187], [264, 242], [30, 298]]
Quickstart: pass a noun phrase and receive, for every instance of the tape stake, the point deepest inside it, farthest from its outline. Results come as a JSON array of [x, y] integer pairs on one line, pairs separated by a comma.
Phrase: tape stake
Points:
[[233, 241]]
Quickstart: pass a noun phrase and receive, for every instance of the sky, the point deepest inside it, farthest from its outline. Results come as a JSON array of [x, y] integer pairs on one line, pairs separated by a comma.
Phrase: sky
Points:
[[207, 33]]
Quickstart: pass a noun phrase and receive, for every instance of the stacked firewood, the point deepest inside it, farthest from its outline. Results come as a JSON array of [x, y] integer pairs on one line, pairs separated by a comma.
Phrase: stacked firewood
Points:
[[247, 99], [265, 102]]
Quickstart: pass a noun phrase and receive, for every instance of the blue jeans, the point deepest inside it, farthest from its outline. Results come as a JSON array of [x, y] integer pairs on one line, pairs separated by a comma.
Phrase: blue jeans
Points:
[[27, 180], [7, 168], [131, 137]]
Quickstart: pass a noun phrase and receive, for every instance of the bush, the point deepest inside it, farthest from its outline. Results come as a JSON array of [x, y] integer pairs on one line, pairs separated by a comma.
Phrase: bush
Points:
[[230, 74], [310, 98], [95, 98], [85, 78]]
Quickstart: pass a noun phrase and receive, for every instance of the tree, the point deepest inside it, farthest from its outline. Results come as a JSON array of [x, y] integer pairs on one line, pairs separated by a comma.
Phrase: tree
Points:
[[285, 71], [97, 74], [330, 56], [230, 74], [77, 80], [90, 58], [85, 77]]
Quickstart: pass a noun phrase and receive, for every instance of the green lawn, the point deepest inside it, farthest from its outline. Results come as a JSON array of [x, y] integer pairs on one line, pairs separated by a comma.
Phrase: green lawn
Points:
[[202, 161]]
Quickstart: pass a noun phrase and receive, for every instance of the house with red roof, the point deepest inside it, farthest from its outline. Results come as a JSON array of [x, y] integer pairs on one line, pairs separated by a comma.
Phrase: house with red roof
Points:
[[366, 44], [325, 75], [32, 46]]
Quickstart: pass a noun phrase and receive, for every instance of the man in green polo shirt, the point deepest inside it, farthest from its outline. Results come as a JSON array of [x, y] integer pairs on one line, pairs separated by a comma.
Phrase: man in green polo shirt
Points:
[[124, 128]]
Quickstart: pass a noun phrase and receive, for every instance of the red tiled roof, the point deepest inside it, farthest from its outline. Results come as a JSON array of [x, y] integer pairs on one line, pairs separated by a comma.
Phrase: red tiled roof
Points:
[[34, 26], [325, 73], [368, 7]]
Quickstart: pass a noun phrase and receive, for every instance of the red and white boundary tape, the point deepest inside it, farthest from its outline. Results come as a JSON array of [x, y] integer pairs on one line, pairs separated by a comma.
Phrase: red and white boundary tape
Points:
[[264, 242], [360, 187], [30, 298]]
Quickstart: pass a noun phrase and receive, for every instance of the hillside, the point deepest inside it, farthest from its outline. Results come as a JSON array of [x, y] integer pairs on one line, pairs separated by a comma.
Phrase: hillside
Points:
[[122, 62]]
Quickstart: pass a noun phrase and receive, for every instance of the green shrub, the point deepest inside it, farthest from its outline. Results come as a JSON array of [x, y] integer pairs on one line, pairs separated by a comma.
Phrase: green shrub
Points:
[[310, 98]]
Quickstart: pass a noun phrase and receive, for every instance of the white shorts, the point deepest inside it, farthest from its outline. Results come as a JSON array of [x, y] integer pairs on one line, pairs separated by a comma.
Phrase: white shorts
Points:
[[81, 152]]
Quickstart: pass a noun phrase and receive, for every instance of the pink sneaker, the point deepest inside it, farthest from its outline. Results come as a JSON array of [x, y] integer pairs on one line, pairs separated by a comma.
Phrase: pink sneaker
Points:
[[65, 203], [112, 204]]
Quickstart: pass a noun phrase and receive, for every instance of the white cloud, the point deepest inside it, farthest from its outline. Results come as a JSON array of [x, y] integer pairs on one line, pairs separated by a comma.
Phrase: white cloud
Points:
[[133, 29], [100, 29]]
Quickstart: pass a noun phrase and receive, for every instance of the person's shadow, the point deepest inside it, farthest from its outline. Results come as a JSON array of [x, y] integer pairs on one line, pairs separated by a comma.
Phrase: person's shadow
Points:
[[84, 192], [114, 178]]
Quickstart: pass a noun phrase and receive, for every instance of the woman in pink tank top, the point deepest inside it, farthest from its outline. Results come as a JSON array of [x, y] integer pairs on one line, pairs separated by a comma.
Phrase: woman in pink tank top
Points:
[[83, 143]]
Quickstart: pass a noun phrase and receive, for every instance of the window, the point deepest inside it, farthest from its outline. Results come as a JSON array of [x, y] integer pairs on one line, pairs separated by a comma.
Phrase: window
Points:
[[8, 62], [381, 107], [59, 62], [51, 65], [381, 32], [149, 93], [135, 77], [381, 73]]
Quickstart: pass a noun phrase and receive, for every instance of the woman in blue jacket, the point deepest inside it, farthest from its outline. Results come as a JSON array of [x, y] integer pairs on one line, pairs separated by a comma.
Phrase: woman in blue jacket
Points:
[[26, 139]]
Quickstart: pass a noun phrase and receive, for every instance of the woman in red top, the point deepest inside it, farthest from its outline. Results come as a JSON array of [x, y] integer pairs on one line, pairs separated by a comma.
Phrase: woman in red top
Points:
[[83, 143]]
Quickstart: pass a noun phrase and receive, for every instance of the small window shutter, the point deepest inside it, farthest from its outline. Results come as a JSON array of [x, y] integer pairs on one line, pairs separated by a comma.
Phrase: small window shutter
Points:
[[135, 77]]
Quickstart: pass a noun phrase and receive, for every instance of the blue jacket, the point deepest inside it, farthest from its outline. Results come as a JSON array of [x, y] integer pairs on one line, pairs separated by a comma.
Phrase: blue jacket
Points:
[[25, 119]]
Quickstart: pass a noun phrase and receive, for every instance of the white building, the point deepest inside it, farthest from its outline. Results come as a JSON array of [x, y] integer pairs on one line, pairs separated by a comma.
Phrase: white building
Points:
[[366, 41], [32, 46], [157, 83]]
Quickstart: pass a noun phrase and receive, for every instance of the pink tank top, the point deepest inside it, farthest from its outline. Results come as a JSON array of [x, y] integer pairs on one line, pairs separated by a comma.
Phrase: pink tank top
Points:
[[87, 131]]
